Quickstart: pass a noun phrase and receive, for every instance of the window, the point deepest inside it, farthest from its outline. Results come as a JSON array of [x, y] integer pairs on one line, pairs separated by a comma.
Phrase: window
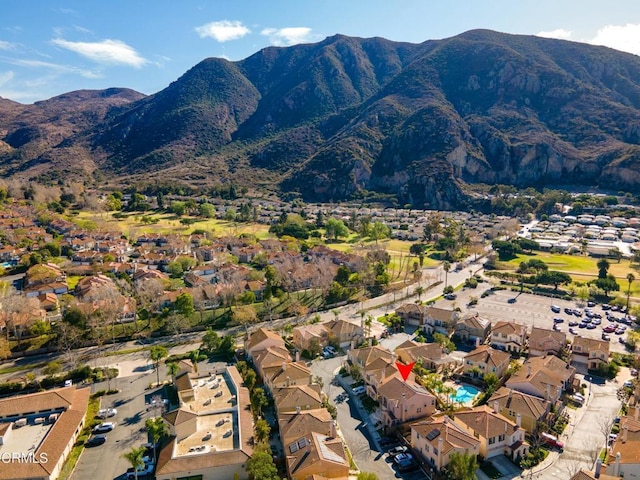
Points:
[[492, 440], [504, 335], [501, 438], [426, 448], [435, 451], [419, 410]]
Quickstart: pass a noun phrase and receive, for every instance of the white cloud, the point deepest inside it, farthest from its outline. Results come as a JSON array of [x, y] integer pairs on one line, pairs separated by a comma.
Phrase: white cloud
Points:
[[287, 36], [621, 37], [57, 68], [223, 31], [6, 77], [559, 33], [109, 52], [4, 45]]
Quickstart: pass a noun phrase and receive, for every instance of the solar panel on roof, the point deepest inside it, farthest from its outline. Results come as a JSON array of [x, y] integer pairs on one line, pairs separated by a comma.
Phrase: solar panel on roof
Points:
[[293, 448], [433, 434], [302, 442]]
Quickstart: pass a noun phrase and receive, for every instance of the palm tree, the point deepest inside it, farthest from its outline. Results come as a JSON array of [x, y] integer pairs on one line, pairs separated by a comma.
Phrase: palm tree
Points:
[[157, 429], [194, 355], [630, 278], [419, 291], [172, 369], [156, 354], [135, 456], [446, 266]]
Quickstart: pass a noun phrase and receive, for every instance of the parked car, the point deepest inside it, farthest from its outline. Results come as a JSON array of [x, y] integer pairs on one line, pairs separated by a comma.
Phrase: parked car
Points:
[[606, 337], [555, 308], [572, 331], [104, 427], [397, 450], [96, 440], [404, 461], [558, 320], [359, 390], [568, 311], [107, 412], [450, 296], [591, 304], [146, 469], [552, 441], [573, 323]]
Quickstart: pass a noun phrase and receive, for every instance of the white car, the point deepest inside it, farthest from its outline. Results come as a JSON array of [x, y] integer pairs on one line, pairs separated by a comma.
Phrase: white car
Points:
[[104, 427], [146, 469], [359, 390], [107, 412]]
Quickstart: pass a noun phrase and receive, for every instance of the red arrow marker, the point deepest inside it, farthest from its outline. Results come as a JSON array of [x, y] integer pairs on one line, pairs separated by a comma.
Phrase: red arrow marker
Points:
[[405, 370]]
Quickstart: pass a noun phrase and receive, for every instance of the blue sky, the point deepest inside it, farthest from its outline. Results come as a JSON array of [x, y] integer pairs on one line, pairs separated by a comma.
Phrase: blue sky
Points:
[[49, 47]]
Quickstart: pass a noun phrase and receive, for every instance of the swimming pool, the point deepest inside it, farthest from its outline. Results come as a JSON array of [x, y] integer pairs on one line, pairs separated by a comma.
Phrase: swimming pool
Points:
[[465, 394]]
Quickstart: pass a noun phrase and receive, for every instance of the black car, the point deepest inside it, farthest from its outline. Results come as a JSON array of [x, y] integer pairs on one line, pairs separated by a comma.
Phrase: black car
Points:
[[591, 304], [96, 440], [568, 311], [450, 296]]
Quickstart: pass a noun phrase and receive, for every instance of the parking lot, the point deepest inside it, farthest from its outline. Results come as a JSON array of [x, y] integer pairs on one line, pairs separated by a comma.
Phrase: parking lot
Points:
[[535, 311]]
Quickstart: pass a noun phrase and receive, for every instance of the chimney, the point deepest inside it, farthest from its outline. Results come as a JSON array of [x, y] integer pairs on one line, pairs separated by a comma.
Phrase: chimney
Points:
[[477, 342], [284, 366], [298, 409], [528, 371], [393, 358], [598, 468], [334, 434], [496, 406], [519, 419], [625, 432], [616, 466], [297, 355], [548, 397], [308, 445]]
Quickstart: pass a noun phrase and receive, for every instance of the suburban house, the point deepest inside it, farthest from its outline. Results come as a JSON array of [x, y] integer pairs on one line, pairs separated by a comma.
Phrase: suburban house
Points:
[[376, 372], [440, 320], [497, 434], [431, 355], [473, 329], [306, 337], [295, 424], [508, 336], [513, 404], [543, 377], [269, 358], [402, 401], [485, 359], [261, 339], [363, 356], [597, 474], [287, 375], [624, 453], [412, 314], [297, 398], [437, 438], [589, 353], [315, 455], [543, 341], [345, 333]]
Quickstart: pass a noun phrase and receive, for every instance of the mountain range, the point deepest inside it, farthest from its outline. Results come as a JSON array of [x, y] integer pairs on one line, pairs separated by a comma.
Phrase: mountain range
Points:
[[353, 118]]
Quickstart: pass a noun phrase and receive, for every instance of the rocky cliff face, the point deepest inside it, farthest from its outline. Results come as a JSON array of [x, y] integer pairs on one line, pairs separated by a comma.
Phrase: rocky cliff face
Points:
[[350, 117]]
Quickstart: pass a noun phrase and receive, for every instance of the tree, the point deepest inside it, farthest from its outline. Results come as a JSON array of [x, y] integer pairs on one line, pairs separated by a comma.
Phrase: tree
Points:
[[630, 278], [419, 291], [52, 368], [260, 465], [262, 430], [194, 356], [178, 208], [367, 476], [184, 304], [378, 231], [157, 429], [461, 466], [336, 228], [603, 268], [5, 351], [135, 456], [444, 341], [258, 401], [446, 266], [355, 372], [554, 278], [491, 381], [207, 210], [156, 354], [607, 284], [172, 370], [245, 315]]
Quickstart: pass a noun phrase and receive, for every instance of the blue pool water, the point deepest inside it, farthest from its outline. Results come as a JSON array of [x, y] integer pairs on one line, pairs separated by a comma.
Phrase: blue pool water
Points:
[[464, 394]]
